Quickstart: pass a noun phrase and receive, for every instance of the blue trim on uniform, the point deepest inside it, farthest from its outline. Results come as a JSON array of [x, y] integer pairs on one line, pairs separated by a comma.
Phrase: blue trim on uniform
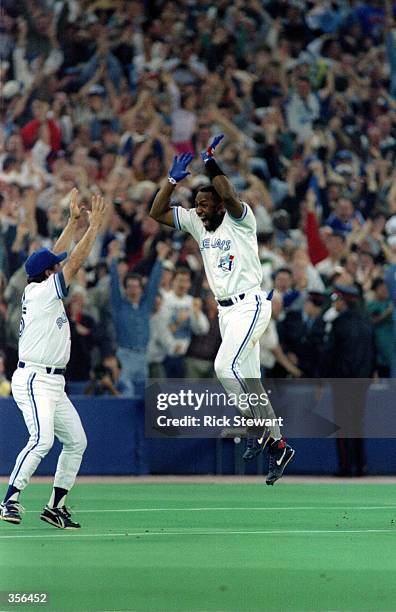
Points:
[[62, 284], [56, 288], [35, 421], [244, 343], [34, 404], [244, 213], [176, 221]]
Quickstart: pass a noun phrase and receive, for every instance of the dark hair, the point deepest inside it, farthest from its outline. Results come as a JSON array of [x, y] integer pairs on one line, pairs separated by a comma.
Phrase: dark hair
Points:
[[339, 234], [112, 356], [378, 214], [212, 190], [376, 283], [279, 270], [100, 371], [9, 161], [182, 270], [265, 237], [133, 276], [40, 277]]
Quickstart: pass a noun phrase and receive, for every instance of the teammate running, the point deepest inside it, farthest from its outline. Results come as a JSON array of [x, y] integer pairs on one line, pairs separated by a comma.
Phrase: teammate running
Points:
[[38, 383], [225, 229]]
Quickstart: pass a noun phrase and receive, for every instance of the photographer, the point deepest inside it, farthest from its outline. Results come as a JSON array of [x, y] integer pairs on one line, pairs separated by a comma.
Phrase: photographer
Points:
[[102, 382]]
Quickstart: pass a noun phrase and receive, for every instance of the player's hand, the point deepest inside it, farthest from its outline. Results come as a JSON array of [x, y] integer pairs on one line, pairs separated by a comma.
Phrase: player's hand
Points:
[[208, 154], [97, 212], [75, 211], [179, 168]]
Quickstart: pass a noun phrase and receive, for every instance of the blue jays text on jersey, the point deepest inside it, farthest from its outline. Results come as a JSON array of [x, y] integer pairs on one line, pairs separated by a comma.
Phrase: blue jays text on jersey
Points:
[[215, 243], [235, 237]]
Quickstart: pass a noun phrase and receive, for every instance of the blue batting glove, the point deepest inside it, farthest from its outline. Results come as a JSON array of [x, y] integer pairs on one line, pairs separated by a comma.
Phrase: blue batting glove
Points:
[[179, 168], [208, 154]]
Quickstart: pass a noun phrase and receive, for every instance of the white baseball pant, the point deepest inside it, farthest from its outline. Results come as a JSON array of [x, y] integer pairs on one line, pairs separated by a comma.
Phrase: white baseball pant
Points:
[[237, 363], [48, 412]]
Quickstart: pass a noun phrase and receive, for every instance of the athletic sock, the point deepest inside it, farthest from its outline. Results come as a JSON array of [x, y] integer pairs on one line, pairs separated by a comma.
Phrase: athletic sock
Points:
[[12, 494], [58, 496]]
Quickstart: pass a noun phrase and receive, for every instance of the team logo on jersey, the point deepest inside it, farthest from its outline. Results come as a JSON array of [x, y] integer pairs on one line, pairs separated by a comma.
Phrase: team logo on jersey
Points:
[[226, 263], [61, 320]]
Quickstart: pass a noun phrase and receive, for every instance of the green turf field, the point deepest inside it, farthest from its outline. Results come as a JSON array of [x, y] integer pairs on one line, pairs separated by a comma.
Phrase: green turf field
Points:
[[224, 547]]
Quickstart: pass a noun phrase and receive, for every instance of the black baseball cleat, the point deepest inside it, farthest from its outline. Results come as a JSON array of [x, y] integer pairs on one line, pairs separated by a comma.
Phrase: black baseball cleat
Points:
[[11, 511], [59, 517], [280, 454], [255, 446]]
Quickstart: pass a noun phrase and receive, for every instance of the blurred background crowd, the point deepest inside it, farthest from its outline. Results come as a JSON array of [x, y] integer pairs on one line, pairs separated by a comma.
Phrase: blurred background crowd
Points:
[[101, 94]]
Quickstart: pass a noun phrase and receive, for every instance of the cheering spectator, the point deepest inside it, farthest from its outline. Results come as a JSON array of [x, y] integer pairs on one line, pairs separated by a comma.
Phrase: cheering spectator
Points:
[[203, 347], [131, 312], [380, 310], [103, 99], [184, 316], [82, 331], [162, 341]]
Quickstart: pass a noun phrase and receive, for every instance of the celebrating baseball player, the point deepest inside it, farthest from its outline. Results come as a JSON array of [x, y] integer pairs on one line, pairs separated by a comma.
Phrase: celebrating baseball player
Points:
[[38, 383], [225, 229]]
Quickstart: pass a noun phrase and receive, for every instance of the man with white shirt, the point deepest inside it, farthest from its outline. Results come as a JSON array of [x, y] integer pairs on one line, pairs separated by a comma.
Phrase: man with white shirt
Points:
[[302, 109], [184, 317], [335, 245], [225, 229], [38, 383]]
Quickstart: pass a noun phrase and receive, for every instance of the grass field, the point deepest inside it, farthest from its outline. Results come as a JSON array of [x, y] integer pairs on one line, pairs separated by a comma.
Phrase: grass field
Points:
[[224, 547]]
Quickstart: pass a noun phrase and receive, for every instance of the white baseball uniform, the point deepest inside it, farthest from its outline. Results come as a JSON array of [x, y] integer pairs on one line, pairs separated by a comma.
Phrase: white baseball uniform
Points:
[[44, 345], [233, 270]]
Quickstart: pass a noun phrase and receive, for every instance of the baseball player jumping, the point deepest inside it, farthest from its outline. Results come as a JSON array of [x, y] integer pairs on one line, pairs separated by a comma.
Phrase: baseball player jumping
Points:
[[225, 229], [38, 383]]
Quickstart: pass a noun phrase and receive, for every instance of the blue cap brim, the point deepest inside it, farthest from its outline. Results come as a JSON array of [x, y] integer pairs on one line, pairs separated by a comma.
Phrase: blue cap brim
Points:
[[61, 256]]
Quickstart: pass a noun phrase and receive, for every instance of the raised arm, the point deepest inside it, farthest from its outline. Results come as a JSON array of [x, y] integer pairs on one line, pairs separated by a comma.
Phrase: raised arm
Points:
[[64, 240], [116, 297], [153, 283], [220, 182], [83, 248], [160, 209]]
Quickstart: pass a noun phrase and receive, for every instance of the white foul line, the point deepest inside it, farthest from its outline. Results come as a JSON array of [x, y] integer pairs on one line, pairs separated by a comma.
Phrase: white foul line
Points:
[[227, 508], [125, 534]]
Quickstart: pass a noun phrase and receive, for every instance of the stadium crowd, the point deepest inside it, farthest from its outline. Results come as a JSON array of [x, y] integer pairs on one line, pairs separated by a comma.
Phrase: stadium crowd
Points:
[[101, 95]]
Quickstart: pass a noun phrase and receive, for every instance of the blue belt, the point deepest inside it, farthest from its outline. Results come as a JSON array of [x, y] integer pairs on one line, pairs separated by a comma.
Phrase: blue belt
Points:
[[22, 364]]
